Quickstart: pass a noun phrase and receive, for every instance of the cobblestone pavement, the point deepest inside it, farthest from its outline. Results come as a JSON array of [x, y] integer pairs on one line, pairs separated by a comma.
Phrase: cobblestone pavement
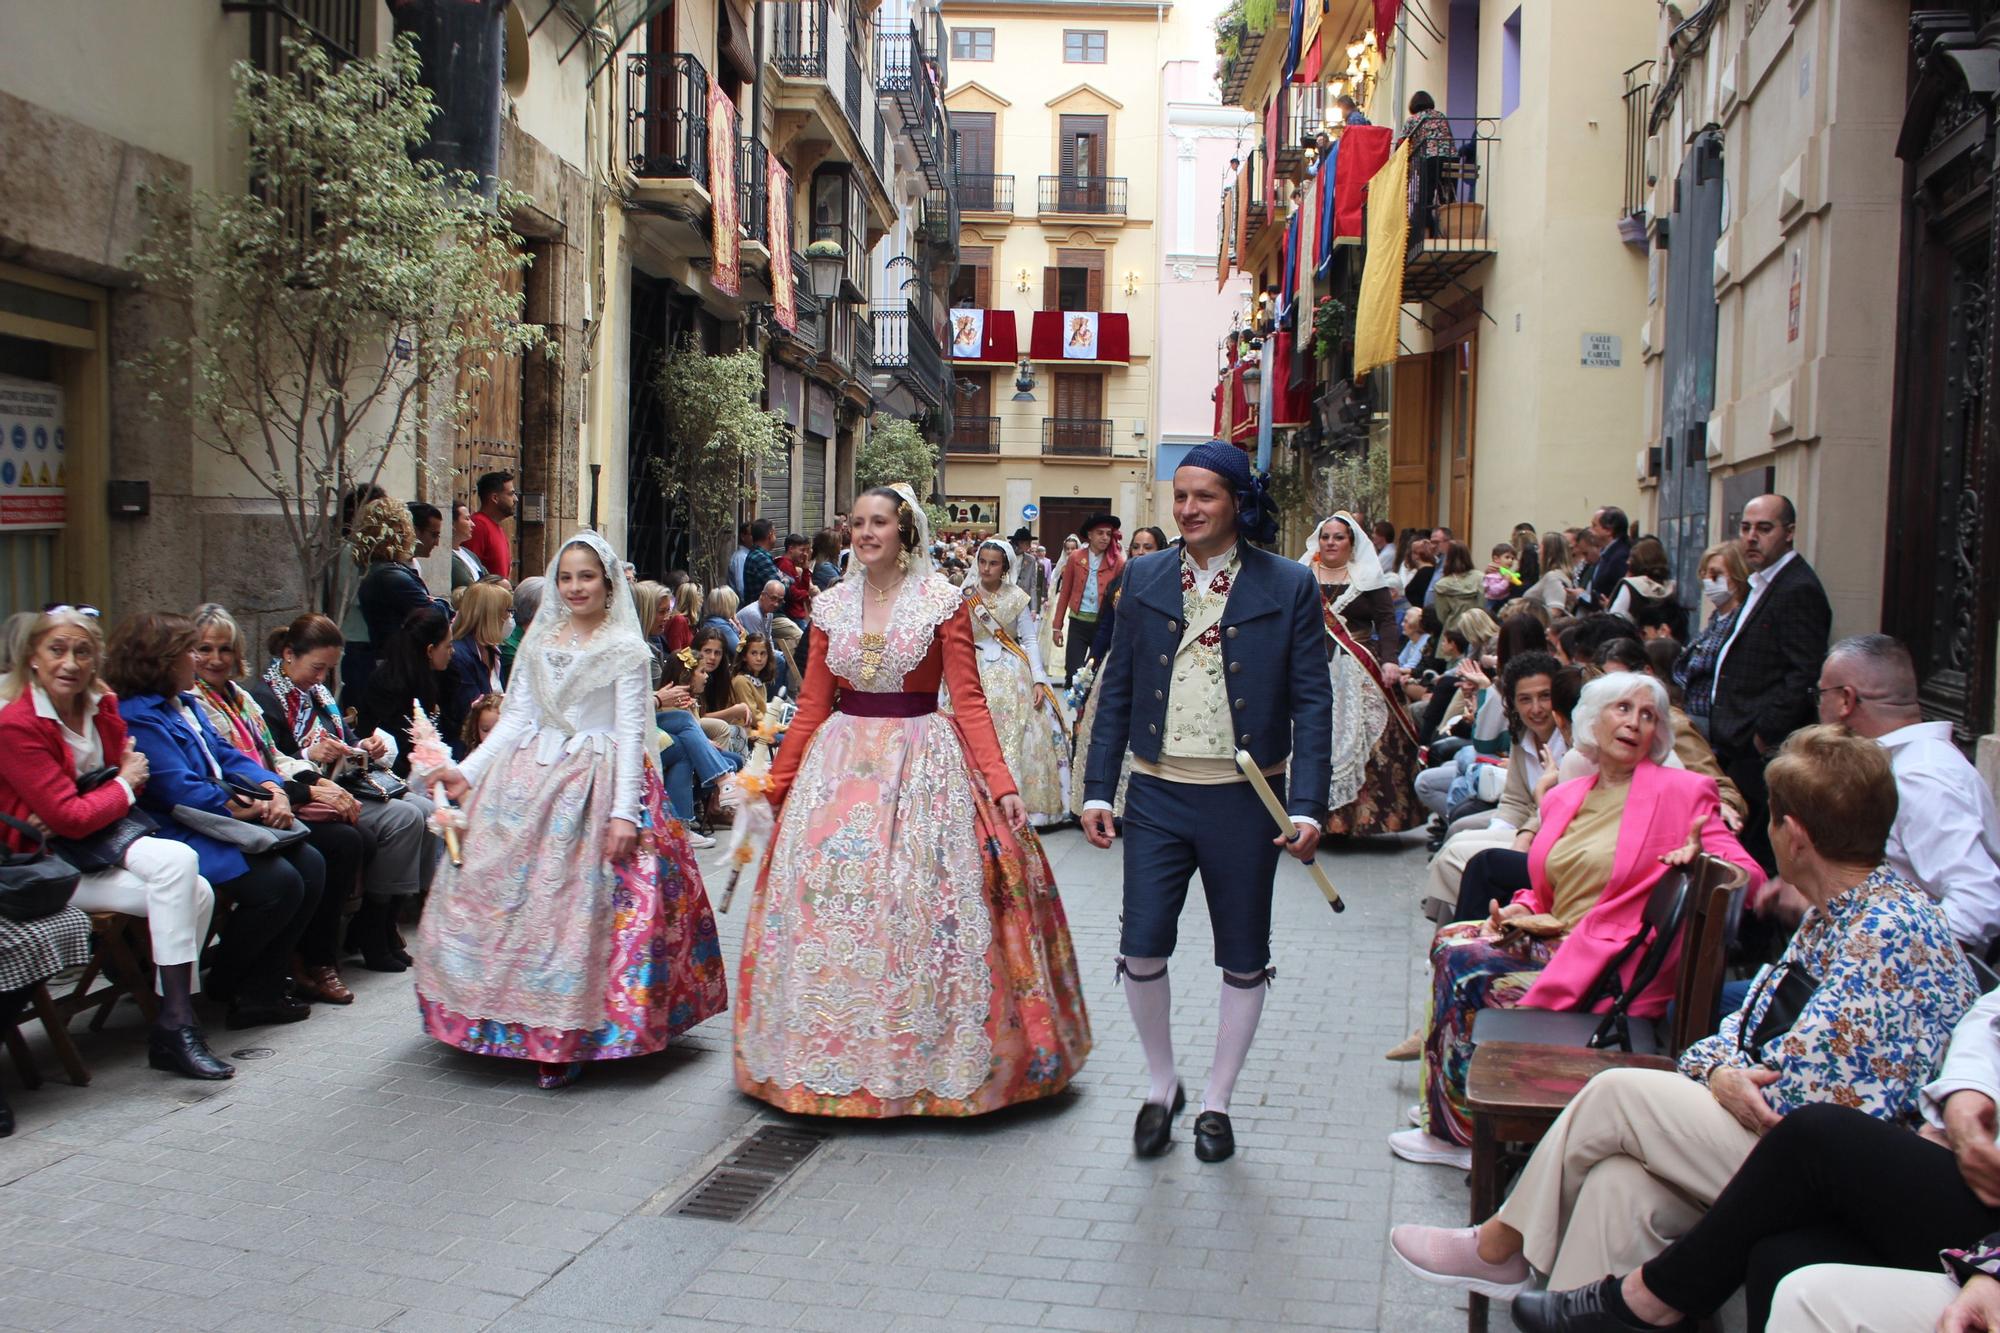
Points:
[[357, 1175]]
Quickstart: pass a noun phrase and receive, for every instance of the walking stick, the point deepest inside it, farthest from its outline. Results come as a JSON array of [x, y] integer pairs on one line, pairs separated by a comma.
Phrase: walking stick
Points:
[[1286, 826]]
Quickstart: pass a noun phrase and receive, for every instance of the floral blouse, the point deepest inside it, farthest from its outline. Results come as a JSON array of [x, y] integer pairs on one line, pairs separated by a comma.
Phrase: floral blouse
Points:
[[1892, 983], [1694, 670]]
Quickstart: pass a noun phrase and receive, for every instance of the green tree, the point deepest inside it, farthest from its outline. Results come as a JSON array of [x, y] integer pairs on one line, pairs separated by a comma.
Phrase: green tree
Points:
[[718, 438], [342, 305], [895, 450]]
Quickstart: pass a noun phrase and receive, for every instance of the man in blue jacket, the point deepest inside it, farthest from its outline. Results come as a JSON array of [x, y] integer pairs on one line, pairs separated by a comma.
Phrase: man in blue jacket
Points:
[[1219, 646]]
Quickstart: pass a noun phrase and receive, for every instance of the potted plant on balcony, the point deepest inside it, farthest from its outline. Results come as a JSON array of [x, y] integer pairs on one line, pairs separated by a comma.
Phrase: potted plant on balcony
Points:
[[826, 261], [1333, 324]]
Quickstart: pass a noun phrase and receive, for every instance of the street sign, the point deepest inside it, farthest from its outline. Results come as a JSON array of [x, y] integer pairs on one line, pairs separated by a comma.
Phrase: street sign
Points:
[[1029, 513]]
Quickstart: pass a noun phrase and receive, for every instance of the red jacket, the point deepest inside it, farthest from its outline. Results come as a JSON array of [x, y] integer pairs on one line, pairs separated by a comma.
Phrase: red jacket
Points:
[[39, 777], [1075, 569]]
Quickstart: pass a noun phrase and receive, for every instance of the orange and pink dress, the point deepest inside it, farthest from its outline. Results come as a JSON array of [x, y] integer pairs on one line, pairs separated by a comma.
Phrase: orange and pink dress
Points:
[[906, 951]]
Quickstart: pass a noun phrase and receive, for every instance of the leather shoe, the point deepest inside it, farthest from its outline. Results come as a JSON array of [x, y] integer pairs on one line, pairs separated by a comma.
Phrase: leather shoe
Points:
[[6, 1119], [1213, 1138], [1154, 1129], [321, 982], [251, 1014], [183, 1051], [1582, 1310]]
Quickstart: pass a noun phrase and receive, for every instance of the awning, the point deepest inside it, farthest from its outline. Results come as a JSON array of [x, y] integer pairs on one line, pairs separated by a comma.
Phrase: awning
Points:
[[984, 338], [1081, 338]]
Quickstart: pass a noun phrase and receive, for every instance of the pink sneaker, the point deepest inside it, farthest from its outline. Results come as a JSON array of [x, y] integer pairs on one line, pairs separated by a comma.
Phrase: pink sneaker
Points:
[[1449, 1256]]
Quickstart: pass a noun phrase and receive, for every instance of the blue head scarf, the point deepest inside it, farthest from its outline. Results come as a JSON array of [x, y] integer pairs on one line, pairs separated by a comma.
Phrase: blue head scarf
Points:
[[1256, 516]]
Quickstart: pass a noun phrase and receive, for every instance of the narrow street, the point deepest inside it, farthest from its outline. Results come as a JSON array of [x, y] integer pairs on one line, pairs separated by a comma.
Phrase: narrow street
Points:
[[358, 1175]]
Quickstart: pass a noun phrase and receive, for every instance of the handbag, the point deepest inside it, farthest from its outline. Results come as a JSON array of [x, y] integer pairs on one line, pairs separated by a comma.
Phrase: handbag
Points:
[[34, 884], [372, 784], [106, 848], [1788, 1000], [251, 839]]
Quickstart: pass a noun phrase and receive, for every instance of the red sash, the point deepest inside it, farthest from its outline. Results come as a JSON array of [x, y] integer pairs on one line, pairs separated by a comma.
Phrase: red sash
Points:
[[1398, 713]]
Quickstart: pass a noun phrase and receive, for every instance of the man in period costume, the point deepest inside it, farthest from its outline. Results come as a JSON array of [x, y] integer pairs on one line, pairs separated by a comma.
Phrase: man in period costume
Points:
[[1219, 646], [1032, 575], [1082, 585]]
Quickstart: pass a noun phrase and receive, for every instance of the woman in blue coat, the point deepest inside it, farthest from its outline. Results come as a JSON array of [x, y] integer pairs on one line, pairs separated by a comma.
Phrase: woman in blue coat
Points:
[[150, 663]]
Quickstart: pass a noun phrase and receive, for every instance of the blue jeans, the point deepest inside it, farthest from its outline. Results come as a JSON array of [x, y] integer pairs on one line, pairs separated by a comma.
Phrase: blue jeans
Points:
[[692, 763]]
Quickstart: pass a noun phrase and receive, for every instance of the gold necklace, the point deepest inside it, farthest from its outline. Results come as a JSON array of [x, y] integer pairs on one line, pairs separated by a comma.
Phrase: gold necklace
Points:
[[880, 595]]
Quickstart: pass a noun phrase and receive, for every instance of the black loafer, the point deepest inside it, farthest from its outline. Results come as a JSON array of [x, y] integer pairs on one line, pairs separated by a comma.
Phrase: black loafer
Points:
[[183, 1051], [246, 1014], [1213, 1138], [1154, 1129], [1581, 1310]]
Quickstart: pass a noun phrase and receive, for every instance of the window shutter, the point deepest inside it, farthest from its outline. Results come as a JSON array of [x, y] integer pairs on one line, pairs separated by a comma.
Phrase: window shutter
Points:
[[982, 286], [1094, 284], [1092, 396], [1067, 167], [1051, 288]]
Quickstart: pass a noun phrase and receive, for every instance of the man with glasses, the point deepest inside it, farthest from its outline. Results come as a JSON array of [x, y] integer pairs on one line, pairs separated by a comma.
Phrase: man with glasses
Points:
[[1946, 839], [1769, 660]]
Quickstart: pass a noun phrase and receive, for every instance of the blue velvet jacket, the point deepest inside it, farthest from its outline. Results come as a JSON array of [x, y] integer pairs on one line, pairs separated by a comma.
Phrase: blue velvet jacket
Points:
[[1274, 651], [179, 774]]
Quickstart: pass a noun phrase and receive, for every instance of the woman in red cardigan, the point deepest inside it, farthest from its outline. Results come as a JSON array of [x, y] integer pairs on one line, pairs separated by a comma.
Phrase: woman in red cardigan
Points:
[[60, 724]]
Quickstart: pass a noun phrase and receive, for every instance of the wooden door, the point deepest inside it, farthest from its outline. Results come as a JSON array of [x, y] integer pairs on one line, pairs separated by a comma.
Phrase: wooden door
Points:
[[973, 138], [1082, 155], [1412, 479], [976, 425], [1063, 515], [667, 141], [489, 434], [1454, 379]]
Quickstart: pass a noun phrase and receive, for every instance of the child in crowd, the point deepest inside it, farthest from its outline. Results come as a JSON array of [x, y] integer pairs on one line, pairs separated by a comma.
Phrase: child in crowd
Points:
[[1501, 582], [480, 719]]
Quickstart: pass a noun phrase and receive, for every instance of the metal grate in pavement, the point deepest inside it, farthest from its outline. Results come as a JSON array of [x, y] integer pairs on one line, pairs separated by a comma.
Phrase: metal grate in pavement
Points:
[[748, 1175]]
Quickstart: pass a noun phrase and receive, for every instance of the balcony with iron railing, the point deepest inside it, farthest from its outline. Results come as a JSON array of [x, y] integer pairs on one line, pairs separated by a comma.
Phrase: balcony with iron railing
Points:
[[1085, 196], [978, 437], [752, 198], [1305, 116], [1450, 214], [905, 76], [799, 38], [908, 348], [850, 91], [1076, 437], [666, 128], [984, 192], [1638, 182], [810, 335], [937, 223]]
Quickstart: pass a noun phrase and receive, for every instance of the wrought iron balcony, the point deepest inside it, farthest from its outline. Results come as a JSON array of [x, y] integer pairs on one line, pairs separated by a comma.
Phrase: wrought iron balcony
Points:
[[975, 435], [811, 332], [850, 92], [908, 348], [937, 222], [1093, 196], [1305, 115], [863, 362], [799, 34], [1076, 437], [1450, 222], [904, 75], [984, 192], [666, 129], [752, 198]]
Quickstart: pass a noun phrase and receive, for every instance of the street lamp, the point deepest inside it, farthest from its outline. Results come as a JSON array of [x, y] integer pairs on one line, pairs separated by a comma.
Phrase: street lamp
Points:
[[826, 263], [1024, 383]]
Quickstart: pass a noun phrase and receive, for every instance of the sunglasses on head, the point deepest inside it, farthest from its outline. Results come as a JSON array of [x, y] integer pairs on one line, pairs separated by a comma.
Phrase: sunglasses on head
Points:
[[56, 608]]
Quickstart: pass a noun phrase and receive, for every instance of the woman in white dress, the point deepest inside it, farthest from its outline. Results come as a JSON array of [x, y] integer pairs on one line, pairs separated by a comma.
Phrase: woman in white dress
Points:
[[1018, 695], [577, 929]]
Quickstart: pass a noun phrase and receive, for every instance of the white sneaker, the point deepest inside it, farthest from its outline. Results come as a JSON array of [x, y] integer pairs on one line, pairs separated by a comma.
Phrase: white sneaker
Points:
[[1413, 1145], [701, 842]]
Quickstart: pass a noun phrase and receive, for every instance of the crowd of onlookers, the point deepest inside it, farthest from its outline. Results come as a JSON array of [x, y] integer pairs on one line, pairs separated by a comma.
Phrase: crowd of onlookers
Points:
[[1592, 727]]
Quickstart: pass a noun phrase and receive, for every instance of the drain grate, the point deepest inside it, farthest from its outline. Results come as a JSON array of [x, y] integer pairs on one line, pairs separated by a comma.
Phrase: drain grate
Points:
[[748, 1175]]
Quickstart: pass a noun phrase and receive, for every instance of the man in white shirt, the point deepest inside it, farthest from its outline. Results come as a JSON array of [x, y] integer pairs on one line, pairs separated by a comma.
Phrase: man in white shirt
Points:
[[1946, 839]]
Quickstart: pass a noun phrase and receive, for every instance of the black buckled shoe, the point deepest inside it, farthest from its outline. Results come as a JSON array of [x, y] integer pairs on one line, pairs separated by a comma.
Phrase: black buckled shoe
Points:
[[1154, 1129], [1588, 1309], [183, 1051], [1213, 1138], [252, 1014]]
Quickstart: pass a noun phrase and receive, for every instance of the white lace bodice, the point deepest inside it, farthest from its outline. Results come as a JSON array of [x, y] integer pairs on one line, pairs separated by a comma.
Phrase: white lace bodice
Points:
[[559, 715], [920, 608]]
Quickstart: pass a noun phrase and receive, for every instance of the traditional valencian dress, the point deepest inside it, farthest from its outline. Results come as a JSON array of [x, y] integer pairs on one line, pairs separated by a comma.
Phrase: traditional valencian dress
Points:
[[906, 952], [1031, 737], [538, 948]]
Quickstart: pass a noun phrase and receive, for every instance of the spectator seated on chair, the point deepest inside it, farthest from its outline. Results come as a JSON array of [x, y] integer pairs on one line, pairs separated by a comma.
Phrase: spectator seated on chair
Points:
[[1857, 1013], [61, 724], [31, 952], [691, 766], [1583, 887], [273, 893]]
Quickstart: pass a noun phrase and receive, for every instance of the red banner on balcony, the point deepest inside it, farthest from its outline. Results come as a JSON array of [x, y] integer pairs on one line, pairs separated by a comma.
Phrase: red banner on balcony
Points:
[[992, 331], [778, 222], [725, 241], [1290, 406], [1363, 150], [1065, 336]]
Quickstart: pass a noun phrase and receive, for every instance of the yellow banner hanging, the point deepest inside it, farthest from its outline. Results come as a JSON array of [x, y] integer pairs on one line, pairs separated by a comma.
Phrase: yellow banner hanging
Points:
[[1380, 311]]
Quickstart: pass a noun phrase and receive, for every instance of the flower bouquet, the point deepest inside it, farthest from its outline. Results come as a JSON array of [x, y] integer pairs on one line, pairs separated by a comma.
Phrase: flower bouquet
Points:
[[428, 760]]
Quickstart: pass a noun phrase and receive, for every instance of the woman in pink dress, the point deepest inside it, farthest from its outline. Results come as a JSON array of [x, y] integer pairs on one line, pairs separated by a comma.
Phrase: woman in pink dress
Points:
[[577, 929], [906, 953]]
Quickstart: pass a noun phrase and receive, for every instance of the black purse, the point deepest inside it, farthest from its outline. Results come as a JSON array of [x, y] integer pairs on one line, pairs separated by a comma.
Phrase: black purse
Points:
[[34, 884], [1794, 990], [105, 848], [372, 784]]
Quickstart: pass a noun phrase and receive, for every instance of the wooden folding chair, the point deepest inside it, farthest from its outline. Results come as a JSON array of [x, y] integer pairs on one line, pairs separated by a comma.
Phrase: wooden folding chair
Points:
[[121, 954], [56, 1022]]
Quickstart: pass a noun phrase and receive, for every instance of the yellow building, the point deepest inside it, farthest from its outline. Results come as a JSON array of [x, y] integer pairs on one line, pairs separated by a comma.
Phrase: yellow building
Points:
[[1056, 107]]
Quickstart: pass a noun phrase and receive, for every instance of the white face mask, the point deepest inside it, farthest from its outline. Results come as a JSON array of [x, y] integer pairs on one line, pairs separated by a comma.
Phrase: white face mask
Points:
[[1715, 590]]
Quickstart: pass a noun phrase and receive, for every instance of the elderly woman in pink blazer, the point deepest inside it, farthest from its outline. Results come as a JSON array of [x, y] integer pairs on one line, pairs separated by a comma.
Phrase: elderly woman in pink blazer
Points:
[[1603, 842]]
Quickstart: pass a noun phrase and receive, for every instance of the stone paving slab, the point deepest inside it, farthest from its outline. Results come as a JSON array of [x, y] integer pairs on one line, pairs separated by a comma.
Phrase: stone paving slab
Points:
[[359, 1175]]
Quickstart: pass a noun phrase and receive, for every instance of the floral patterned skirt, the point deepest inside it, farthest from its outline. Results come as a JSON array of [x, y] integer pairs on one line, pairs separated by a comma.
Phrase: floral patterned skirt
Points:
[[1031, 740], [1468, 973], [538, 949], [906, 952]]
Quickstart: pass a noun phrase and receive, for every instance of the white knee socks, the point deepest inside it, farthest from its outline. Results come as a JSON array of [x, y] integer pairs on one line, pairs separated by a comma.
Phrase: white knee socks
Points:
[[1151, 999], [1242, 1006]]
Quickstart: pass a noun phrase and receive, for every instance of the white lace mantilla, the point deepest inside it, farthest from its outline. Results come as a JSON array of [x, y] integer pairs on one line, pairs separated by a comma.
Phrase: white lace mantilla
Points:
[[921, 606]]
